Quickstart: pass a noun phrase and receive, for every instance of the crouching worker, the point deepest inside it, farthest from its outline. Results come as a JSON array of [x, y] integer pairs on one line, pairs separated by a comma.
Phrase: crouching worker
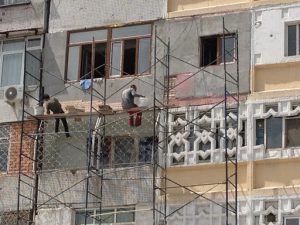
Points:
[[53, 105], [135, 115]]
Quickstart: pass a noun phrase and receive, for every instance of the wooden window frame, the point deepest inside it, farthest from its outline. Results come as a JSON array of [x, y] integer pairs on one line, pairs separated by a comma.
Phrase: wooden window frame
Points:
[[219, 55], [108, 55]]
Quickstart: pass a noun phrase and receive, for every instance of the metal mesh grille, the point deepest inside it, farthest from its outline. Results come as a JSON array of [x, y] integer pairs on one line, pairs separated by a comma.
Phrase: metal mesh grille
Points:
[[122, 150], [4, 146], [10, 218], [114, 144]]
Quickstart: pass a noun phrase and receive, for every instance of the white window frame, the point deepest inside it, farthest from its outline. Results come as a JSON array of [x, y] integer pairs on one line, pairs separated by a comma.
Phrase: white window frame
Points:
[[291, 217], [115, 212], [25, 40], [297, 23], [283, 133], [15, 3]]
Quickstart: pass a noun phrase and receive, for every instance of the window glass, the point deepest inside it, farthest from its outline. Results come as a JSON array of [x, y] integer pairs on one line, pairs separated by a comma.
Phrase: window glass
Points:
[[13, 45], [145, 149], [4, 146], [260, 132], [144, 55], [11, 2], [123, 150], [116, 58], [125, 215], [292, 129], [88, 36], [12, 69], [73, 62], [100, 51], [292, 40], [131, 31], [36, 42], [274, 132], [32, 67], [80, 218], [229, 49], [129, 58], [86, 59], [292, 221], [107, 216]]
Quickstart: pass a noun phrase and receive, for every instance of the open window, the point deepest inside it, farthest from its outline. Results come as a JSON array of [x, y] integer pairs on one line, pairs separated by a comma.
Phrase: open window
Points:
[[12, 53], [119, 52], [212, 50]]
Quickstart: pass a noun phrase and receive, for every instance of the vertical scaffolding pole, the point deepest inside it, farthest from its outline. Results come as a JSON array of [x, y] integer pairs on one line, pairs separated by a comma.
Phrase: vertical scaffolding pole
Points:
[[231, 103], [90, 133], [160, 149], [28, 180]]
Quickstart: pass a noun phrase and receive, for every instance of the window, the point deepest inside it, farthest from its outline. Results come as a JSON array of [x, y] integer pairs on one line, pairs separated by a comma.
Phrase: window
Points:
[[12, 54], [4, 146], [124, 149], [13, 2], [292, 221], [145, 149], [121, 151], [292, 127], [270, 131], [119, 52], [124, 216], [212, 50], [293, 40]]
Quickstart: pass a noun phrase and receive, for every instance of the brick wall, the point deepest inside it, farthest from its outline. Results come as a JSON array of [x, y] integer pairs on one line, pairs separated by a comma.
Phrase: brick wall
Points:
[[27, 146]]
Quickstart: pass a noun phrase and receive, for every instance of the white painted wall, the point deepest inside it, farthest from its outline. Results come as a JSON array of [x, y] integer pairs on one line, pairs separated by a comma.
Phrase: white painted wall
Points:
[[268, 31]]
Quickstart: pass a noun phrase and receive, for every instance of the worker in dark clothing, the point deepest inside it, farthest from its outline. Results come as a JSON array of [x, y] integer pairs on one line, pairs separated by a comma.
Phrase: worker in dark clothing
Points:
[[128, 103], [53, 105]]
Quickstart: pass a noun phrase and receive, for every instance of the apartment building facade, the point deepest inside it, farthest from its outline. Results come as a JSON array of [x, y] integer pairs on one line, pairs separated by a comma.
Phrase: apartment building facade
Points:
[[142, 43]]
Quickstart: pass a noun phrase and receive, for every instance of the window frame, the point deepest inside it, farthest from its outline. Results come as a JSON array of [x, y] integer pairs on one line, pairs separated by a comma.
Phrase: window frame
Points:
[[131, 208], [25, 2], [297, 24], [25, 41], [290, 217], [109, 40], [283, 132], [136, 150], [219, 55]]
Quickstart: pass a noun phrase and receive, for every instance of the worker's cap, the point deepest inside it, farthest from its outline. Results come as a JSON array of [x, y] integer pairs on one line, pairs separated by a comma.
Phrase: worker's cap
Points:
[[46, 97]]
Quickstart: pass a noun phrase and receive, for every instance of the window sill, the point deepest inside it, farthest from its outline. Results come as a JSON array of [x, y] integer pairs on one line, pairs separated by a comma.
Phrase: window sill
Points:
[[130, 76], [114, 77], [15, 4]]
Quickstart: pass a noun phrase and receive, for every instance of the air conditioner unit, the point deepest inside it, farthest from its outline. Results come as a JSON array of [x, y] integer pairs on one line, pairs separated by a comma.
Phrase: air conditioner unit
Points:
[[13, 94]]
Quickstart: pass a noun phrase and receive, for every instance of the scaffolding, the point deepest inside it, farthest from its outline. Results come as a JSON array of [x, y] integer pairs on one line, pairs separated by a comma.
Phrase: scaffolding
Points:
[[99, 129]]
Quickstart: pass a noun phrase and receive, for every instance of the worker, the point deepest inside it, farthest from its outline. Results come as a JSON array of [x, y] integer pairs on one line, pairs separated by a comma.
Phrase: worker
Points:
[[128, 104], [53, 105]]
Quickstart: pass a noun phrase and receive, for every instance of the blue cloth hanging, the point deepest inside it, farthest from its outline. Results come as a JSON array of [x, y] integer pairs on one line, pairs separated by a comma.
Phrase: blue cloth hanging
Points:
[[85, 84]]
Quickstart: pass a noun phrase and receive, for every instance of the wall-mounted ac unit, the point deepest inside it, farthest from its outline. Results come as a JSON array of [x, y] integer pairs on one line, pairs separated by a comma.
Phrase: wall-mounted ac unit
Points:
[[13, 94]]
